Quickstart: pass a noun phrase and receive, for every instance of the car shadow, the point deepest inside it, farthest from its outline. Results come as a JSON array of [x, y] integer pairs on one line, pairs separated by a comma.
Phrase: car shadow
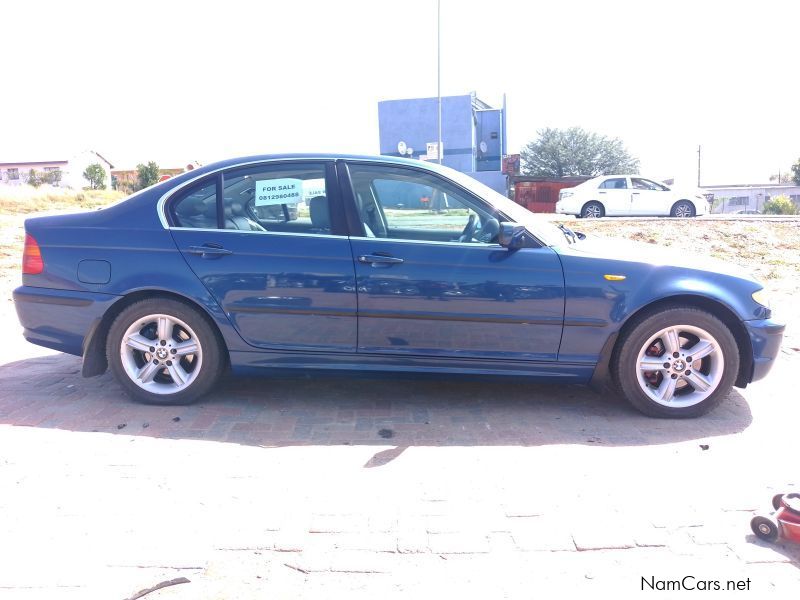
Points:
[[49, 392]]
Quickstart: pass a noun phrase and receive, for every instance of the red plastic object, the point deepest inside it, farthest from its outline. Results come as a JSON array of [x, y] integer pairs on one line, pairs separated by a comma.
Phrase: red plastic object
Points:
[[784, 523]]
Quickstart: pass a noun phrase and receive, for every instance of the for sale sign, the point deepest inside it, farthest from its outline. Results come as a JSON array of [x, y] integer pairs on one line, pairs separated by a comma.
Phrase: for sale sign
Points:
[[270, 192]]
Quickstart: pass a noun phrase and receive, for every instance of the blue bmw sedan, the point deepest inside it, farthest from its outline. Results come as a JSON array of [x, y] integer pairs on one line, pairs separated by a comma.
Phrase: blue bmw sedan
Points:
[[377, 264]]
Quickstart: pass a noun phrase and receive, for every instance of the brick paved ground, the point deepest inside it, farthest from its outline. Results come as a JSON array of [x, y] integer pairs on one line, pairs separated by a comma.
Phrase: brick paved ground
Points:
[[355, 488]]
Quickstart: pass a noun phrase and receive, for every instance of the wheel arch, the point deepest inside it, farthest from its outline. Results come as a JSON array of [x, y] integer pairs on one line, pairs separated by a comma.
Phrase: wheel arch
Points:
[[602, 374], [95, 361]]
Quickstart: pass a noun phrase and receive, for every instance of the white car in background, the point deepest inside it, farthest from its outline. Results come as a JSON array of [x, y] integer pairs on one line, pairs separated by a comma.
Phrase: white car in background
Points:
[[629, 195]]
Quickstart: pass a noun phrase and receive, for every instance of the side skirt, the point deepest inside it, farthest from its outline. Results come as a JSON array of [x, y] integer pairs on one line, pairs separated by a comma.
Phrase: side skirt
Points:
[[556, 372]]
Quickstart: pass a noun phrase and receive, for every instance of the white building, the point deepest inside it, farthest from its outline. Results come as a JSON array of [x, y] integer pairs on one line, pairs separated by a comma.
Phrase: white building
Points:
[[748, 198], [17, 173]]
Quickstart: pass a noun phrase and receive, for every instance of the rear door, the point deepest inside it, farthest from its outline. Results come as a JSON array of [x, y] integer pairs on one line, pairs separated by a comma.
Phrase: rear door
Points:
[[615, 195], [432, 279], [269, 243]]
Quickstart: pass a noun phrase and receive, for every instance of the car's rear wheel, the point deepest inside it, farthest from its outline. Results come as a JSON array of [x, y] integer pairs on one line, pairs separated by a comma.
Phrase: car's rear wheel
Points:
[[164, 352], [683, 210], [593, 210], [676, 362]]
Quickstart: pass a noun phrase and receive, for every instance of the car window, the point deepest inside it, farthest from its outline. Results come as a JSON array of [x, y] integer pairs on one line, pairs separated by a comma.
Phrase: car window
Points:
[[263, 198], [289, 198], [399, 203], [645, 184], [617, 183], [196, 207]]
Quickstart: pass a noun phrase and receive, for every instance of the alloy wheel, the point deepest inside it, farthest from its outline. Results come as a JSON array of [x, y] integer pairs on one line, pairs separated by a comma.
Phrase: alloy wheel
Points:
[[592, 212], [680, 366], [161, 354]]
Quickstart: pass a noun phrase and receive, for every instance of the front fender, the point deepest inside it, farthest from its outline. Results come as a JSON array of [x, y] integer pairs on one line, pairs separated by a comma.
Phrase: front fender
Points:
[[596, 309]]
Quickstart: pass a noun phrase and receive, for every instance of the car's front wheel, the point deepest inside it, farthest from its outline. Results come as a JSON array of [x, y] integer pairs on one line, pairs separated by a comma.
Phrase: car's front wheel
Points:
[[164, 352], [593, 210], [683, 209], [676, 362]]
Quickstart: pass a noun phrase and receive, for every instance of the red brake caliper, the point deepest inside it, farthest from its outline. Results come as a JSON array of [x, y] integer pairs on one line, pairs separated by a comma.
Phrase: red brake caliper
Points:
[[656, 349]]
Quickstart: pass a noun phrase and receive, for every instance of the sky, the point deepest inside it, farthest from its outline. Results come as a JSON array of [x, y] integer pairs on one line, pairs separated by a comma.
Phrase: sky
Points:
[[175, 81]]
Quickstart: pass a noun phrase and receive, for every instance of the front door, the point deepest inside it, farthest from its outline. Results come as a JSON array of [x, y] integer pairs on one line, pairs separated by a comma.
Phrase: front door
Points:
[[433, 281], [615, 196], [262, 241], [649, 197]]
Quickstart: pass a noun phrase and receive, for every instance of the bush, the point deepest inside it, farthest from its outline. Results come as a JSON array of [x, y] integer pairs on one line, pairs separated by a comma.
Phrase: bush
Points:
[[780, 205], [34, 179], [52, 177]]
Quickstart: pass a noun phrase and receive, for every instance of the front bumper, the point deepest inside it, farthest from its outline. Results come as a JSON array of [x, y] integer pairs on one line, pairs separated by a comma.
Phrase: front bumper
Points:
[[60, 319], [765, 337], [564, 208]]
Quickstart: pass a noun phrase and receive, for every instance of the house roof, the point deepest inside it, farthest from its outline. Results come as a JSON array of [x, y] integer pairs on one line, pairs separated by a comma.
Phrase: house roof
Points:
[[33, 162], [52, 162], [103, 158]]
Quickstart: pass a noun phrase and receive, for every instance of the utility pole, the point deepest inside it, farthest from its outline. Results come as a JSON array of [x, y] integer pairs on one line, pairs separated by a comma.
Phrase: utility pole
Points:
[[439, 150], [698, 166]]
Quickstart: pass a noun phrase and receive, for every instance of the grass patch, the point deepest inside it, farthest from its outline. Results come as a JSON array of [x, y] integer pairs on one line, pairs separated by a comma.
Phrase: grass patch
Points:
[[24, 199]]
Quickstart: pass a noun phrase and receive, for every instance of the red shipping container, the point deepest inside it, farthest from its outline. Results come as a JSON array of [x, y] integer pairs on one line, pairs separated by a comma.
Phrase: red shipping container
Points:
[[539, 194]]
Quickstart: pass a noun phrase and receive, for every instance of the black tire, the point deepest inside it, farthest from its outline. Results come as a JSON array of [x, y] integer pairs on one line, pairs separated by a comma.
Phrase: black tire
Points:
[[776, 501], [624, 363], [683, 209], [764, 528], [593, 210], [210, 368]]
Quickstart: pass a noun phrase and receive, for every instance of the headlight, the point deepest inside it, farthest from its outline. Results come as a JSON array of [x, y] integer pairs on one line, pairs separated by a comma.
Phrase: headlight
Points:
[[563, 195], [760, 296]]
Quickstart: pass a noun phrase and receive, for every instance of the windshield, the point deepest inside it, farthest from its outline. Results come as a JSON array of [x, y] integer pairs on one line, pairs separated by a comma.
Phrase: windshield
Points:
[[538, 226]]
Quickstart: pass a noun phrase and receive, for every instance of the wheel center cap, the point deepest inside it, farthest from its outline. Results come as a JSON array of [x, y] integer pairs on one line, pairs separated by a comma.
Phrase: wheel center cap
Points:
[[679, 365], [162, 353]]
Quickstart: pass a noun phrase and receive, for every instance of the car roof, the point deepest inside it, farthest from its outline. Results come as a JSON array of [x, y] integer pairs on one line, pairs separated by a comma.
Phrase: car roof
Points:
[[229, 162]]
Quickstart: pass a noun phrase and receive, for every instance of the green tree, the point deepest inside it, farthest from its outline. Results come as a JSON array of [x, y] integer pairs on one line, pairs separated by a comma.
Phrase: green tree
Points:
[[52, 177], [147, 174], [576, 152], [96, 176], [780, 205], [796, 172], [34, 179]]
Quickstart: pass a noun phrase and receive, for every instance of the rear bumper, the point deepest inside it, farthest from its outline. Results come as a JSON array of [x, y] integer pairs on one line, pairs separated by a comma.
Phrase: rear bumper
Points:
[[60, 319], [765, 337]]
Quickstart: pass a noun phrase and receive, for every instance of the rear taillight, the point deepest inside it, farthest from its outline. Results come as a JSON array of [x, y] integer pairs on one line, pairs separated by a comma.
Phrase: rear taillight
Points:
[[32, 263]]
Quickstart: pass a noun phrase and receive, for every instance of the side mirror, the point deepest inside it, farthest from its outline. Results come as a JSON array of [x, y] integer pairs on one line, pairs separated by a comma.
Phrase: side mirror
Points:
[[512, 236]]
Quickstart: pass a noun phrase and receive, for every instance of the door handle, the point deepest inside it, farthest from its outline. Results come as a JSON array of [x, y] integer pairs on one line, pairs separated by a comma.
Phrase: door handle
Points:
[[379, 259], [635, 193], [209, 250], [601, 192]]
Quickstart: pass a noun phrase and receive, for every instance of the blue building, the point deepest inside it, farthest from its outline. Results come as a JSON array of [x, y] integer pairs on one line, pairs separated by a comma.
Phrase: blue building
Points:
[[473, 134]]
